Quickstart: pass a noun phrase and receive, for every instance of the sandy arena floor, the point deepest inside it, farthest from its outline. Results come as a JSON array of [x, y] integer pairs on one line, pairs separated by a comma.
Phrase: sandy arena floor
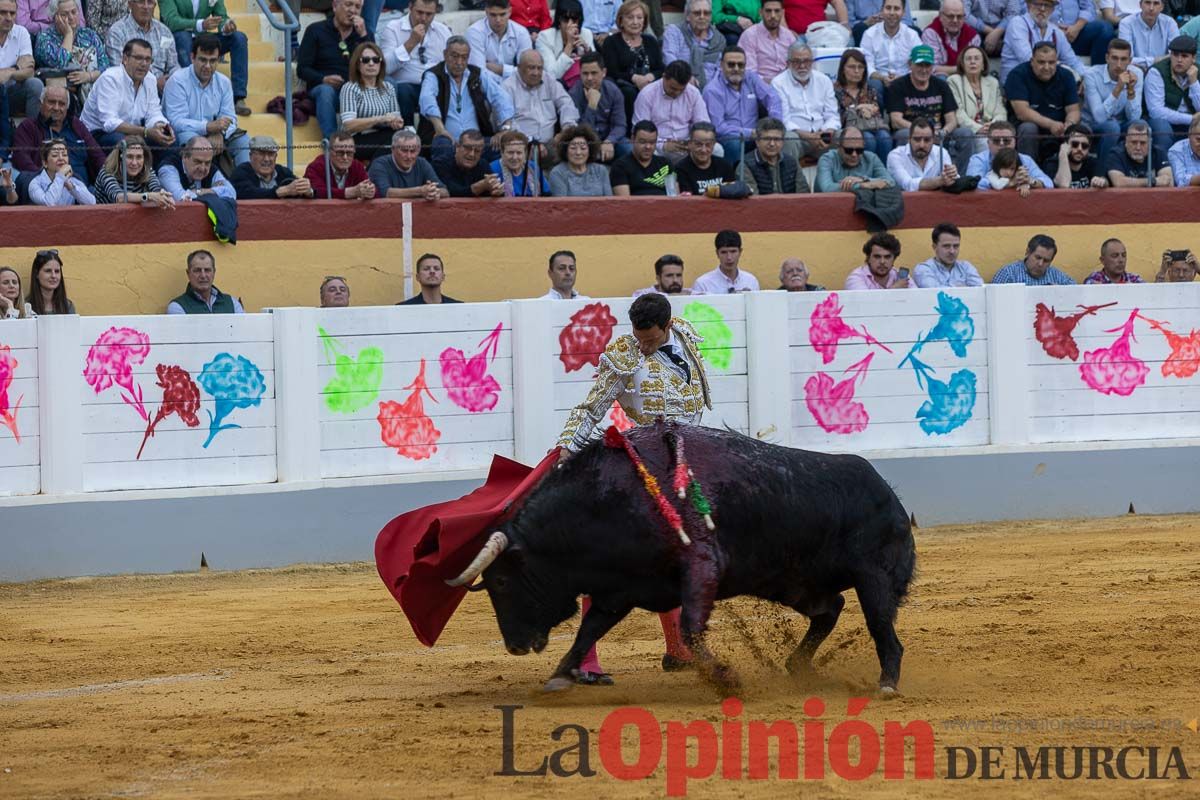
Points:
[[307, 682]]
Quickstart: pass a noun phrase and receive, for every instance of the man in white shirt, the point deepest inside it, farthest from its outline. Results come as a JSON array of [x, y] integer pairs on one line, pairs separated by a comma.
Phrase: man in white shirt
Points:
[[562, 277], [538, 104], [1150, 32], [726, 278], [497, 42], [887, 45], [920, 165], [411, 45], [122, 102], [810, 109], [17, 83], [140, 23]]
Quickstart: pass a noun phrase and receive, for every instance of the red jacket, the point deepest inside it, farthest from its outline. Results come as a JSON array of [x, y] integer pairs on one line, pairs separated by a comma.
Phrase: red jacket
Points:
[[316, 176], [533, 14]]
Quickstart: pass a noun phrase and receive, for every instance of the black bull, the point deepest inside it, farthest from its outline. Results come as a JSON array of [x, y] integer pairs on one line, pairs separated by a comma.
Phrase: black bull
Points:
[[792, 526]]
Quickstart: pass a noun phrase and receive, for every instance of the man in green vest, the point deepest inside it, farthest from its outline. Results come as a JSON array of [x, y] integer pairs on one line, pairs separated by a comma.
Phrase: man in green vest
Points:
[[201, 296], [187, 18], [1172, 92]]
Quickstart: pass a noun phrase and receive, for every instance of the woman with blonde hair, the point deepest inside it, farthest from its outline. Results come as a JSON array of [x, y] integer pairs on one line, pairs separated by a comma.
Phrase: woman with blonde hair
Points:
[[370, 111], [633, 60], [12, 305], [140, 181]]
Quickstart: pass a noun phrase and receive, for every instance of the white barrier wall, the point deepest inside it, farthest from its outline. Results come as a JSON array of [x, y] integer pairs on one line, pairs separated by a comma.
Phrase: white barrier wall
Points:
[[20, 442], [177, 401], [304, 395], [414, 389], [888, 370], [1111, 363]]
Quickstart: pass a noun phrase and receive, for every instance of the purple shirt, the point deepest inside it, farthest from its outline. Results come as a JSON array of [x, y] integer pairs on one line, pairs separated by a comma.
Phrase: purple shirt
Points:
[[766, 55], [672, 115], [862, 278], [735, 113], [1099, 276]]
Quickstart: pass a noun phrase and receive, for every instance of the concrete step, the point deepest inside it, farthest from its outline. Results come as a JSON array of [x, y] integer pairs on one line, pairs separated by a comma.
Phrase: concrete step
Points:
[[272, 125], [266, 77]]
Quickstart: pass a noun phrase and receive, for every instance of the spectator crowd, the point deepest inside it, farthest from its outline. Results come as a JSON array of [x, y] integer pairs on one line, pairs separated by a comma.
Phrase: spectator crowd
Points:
[[125, 104], [881, 270]]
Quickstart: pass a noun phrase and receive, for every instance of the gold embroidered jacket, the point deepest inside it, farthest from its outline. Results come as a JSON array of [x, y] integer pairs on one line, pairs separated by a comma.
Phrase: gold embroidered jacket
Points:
[[646, 387]]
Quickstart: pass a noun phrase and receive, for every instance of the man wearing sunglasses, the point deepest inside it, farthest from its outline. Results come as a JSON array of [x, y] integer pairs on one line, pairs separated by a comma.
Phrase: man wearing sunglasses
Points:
[[851, 166], [324, 60], [1002, 134], [1076, 167], [411, 45]]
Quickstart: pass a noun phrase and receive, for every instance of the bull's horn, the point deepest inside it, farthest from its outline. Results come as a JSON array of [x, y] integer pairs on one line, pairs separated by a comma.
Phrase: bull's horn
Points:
[[491, 550]]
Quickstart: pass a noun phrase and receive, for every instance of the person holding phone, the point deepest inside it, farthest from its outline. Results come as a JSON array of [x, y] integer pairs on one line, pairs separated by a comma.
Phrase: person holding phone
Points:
[[880, 272], [1177, 266]]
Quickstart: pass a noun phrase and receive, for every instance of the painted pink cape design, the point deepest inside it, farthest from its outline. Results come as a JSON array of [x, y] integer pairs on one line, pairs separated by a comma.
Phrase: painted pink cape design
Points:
[[826, 329], [110, 362], [833, 405], [466, 381], [8, 368], [1113, 369]]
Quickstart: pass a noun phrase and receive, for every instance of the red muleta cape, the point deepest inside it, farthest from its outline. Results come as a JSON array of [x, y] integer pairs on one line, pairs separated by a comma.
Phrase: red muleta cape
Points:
[[417, 552]]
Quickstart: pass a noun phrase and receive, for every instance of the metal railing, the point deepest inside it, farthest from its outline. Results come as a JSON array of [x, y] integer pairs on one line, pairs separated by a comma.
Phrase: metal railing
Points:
[[290, 29]]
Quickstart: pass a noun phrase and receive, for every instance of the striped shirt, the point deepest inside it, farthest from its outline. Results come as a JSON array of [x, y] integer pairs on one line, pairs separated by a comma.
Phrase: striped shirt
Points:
[[1016, 273], [108, 187], [357, 102]]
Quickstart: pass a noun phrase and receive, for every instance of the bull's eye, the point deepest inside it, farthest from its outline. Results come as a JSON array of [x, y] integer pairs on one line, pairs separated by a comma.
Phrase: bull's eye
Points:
[[501, 583]]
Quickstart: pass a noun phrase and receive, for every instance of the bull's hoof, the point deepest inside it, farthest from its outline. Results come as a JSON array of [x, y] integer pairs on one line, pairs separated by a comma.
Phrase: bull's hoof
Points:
[[593, 678], [558, 684], [887, 693]]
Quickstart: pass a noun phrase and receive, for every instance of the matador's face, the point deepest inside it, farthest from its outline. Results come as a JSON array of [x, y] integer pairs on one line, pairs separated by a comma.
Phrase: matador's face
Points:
[[650, 339]]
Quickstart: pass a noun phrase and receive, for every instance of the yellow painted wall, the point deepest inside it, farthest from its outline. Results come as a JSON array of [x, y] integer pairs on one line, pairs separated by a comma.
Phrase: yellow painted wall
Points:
[[142, 279]]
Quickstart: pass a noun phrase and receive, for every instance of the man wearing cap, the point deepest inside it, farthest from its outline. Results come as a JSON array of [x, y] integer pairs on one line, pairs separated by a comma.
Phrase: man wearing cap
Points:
[[1150, 33], [1172, 93], [263, 179], [1030, 29], [917, 95], [1045, 100]]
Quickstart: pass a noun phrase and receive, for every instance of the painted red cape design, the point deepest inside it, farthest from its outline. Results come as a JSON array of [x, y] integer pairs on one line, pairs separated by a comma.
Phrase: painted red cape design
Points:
[[418, 551]]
